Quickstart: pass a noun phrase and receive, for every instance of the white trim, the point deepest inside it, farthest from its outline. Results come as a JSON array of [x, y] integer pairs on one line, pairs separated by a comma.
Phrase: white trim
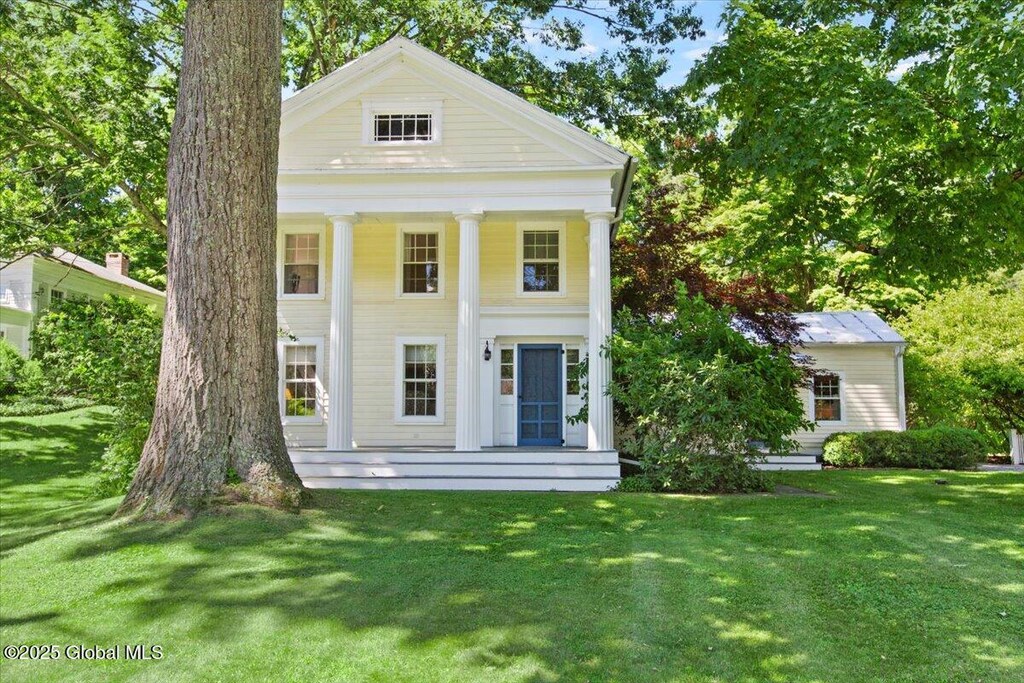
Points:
[[901, 395], [400, 344], [310, 229], [842, 399], [402, 229], [402, 105], [540, 226], [318, 343]]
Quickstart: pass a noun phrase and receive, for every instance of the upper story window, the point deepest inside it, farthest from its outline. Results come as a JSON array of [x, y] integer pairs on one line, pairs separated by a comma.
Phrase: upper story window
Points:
[[401, 122], [420, 261], [301, 258], [540, 261], [826, 393]]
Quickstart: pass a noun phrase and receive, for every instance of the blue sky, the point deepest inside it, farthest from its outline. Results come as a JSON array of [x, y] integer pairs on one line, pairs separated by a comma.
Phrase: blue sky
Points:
[[685, 52]]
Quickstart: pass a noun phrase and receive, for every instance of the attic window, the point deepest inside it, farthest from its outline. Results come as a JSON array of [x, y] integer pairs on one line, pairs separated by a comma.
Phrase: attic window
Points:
[[416, 127]]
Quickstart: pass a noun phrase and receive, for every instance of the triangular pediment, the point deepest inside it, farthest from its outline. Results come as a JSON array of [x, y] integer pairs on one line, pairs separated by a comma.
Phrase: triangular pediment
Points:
[[478, 124]]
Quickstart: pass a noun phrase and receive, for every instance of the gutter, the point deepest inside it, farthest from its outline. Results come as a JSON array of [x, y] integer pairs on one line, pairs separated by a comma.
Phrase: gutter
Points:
[[628, 169]]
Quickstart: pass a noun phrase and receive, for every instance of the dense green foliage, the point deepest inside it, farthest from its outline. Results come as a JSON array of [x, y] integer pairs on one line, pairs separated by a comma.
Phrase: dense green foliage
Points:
[[933, 448], [965, 359], [506, 588], [698, 400], [109, 352], [88, 88], [23, 406], [20, 378], [863, 154]]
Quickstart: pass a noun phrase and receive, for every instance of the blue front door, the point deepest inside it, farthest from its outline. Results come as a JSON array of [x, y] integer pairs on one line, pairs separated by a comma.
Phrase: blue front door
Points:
[[540, 395]]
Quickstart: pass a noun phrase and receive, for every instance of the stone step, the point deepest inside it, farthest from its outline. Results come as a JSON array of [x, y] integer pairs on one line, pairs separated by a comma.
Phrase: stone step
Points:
[[497, 456]]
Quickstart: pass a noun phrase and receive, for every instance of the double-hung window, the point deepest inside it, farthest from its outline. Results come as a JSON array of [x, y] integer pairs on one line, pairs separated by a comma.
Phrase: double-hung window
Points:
[[301, 274], [540, 261], [420, 267], [300, 381], [420, 382], [826, 394]]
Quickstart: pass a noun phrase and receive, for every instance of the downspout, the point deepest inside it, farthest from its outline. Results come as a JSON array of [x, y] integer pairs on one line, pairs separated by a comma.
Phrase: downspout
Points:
[[901, 395]]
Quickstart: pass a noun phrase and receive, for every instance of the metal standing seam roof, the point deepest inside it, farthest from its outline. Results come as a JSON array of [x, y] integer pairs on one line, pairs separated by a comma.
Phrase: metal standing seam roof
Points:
[[846, 327]]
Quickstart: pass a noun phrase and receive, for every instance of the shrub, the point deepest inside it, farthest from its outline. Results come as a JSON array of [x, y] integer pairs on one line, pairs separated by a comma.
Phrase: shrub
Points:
[[107, 351], [694, 396], [11, 363], [636, 483], [953, 448], [45, 405]]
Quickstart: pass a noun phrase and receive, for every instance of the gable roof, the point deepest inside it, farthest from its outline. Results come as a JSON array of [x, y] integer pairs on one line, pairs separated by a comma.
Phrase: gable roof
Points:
[[84, 264], [350, 79], [846, 327]]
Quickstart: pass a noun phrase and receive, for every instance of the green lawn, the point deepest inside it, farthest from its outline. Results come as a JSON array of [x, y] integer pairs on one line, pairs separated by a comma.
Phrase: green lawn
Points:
[[889, 578]]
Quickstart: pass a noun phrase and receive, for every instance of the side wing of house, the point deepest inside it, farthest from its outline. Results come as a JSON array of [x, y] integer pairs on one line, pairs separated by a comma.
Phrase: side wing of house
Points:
[[860, 391], [443, 261], [17, 305], [57, 280]]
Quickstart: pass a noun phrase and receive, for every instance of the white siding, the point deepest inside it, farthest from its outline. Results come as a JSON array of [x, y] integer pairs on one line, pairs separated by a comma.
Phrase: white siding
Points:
[[16, 285], [470, 137], [870, 396]]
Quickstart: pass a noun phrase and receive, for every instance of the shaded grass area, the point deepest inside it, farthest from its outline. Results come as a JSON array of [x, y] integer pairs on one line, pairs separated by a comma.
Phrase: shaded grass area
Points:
[[889, 578]]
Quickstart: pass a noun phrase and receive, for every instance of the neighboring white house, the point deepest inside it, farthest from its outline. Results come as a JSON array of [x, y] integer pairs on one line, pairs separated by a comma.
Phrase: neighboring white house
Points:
[[859, 386], [443, 265], [29, 284]]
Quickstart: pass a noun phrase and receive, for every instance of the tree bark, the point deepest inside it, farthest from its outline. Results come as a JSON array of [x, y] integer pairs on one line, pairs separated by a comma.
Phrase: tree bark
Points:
[[216, 405]]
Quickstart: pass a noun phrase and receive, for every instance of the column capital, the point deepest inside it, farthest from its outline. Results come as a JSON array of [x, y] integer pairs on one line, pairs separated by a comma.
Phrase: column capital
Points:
[[474, 215], [599, 214], [349, 217]]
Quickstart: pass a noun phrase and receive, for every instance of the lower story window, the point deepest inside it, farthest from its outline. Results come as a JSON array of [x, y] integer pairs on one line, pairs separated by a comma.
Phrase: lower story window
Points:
[[419, 392], [827, 398], [300, 381], [420, 382], [572, 372]]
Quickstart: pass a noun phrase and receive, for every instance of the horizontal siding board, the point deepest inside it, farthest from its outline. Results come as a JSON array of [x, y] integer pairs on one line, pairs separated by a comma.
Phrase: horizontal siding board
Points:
[[870, 392]]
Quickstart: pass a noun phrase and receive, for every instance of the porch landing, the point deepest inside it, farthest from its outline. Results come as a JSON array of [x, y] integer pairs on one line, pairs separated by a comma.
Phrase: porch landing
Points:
[[438, 468]]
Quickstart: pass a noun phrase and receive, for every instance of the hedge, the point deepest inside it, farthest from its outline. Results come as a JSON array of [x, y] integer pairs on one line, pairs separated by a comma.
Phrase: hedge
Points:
[[933, 448]]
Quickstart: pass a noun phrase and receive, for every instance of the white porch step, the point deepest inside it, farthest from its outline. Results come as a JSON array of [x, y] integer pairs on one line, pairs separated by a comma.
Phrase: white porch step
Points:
[[795, 462], [509, 470], [496, 469], [442, 455], [462, 483]]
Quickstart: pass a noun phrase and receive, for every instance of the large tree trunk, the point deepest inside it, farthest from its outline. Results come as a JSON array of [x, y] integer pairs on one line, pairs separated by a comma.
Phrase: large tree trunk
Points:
[[216, 406]]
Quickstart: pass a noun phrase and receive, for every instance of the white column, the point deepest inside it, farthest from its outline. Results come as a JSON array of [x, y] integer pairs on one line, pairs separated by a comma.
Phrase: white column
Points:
[[339, 386], [468, 356], [599, 367]]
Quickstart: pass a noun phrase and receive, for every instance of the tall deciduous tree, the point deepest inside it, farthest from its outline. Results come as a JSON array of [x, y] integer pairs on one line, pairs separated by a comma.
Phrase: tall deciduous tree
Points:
[[867, 153], [216, 405]]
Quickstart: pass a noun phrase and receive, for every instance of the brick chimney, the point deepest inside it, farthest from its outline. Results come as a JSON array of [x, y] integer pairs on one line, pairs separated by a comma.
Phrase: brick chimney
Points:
[[117, 262]]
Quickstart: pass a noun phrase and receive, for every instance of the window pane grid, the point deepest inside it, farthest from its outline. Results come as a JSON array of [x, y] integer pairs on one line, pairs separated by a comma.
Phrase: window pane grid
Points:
[[827, 398], [572, 363], [302, 263], [420, 265], [419, 390], [540, 261], [300, 381], [508, 372], [403, 127]]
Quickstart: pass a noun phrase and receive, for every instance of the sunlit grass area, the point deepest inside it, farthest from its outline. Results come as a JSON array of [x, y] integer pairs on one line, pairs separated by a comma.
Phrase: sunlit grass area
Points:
[[887, 577]]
